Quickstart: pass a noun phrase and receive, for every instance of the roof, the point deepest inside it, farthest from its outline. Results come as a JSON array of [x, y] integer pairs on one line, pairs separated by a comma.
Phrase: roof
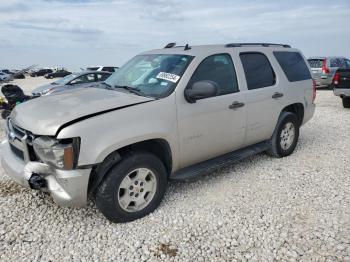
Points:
[[205, 49]]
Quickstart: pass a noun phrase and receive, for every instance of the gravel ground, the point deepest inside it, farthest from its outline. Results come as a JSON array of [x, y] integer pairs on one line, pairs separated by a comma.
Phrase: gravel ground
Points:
[[295, 208]]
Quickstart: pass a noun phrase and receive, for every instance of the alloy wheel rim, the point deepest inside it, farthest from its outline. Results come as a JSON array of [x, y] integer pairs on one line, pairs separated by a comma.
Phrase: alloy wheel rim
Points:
[[287, 136], [137, 190]]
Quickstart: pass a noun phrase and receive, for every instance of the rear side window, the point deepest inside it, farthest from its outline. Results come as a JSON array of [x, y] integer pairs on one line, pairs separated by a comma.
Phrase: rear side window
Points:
[[218, 68], [337, 62], [315, 63], [258, 70], [293, 65]]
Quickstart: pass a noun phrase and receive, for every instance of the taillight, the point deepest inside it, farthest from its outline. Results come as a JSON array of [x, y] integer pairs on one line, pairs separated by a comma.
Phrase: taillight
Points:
[[325, 69], [313, 90], [336, 78]]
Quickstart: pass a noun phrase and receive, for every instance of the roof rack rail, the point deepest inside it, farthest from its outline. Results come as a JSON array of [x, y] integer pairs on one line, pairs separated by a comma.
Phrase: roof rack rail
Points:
[[259, 44], [170, 45]]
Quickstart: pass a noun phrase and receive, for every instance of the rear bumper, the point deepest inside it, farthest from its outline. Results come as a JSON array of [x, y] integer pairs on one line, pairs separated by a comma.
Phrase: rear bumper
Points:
[[324, 81], [342, 92], [67, 188], [309, 112]]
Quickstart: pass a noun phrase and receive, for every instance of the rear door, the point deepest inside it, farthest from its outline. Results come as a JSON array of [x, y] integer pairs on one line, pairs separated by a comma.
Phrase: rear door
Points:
[[264, 97]]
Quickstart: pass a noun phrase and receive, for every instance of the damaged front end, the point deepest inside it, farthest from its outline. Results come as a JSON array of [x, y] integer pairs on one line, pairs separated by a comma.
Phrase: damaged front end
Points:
[[45, 163]]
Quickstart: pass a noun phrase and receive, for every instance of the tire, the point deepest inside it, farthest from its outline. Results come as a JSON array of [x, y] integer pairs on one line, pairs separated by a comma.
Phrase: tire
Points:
[[115, 189], [279, 147], [346, 102]]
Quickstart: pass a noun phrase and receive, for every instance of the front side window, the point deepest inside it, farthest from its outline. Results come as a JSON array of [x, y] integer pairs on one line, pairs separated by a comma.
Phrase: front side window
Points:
[[258, 70], [65, 80], [347, 63], [83, 79], [219, 69], [154, 75], [102, 77], [293, 65]]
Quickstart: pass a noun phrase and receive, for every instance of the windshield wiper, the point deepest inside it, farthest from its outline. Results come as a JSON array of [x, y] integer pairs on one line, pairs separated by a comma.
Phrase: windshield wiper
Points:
[[133, 90]]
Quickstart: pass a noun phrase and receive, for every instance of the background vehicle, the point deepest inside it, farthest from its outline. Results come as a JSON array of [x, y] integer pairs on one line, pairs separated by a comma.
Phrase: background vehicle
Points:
[[13, 95], [6, 71], [19, 76], [341, 85], [323, 69], [192, 110], [4, 76], [58, 73], [103, 68], [72, 81], [41, 72]]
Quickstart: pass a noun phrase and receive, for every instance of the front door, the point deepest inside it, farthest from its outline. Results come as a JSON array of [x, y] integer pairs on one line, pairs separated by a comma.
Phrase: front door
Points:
[[215, 125]]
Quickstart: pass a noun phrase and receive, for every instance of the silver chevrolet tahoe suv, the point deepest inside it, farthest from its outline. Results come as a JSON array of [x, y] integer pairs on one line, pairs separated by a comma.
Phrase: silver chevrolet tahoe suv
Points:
[[174, 113]]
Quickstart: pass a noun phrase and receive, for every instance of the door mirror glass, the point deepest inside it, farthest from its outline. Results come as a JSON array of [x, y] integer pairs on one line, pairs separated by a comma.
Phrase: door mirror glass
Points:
[[200, 90]]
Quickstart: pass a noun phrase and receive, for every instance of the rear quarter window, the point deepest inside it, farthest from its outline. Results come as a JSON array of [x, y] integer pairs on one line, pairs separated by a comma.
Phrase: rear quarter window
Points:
[[293, 65]]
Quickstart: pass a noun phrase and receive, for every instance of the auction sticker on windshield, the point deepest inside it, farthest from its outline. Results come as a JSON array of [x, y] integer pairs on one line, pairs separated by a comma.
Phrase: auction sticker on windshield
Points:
[[168, 76]]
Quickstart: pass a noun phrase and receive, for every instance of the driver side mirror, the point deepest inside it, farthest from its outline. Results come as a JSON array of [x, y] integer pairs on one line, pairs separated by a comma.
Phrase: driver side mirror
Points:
[[200, 90]]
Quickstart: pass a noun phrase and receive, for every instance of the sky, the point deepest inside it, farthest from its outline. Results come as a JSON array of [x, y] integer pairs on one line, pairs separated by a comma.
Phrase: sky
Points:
[[80, 33]]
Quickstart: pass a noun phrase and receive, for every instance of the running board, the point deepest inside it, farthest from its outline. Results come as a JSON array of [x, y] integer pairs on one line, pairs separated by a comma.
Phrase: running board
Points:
[[208, 166]]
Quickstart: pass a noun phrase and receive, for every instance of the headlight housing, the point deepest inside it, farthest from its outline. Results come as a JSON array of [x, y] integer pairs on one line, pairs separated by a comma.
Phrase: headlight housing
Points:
[[62, 154]]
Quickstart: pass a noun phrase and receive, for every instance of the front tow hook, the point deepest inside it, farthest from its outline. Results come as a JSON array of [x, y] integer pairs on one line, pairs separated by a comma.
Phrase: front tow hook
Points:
[[37, 182]]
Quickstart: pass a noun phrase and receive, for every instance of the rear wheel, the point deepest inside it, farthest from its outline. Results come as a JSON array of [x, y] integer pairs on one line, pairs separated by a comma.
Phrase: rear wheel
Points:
[[285, 136], [133, 188], [346, 102]]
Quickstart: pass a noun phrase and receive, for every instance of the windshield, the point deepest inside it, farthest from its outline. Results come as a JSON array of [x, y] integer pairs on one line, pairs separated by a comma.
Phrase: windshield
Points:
[[152, 75], [65, 80]]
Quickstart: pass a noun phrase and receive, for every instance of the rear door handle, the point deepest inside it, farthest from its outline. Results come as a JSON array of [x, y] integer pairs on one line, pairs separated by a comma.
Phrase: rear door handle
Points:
[[277, 95], [236, 105]]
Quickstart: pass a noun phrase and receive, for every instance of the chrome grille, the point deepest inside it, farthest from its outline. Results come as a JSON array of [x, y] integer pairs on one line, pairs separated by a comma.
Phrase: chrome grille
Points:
[[17, 138]]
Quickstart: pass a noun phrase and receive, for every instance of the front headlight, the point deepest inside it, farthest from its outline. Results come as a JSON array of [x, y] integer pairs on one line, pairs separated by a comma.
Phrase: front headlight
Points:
[[62, 154]]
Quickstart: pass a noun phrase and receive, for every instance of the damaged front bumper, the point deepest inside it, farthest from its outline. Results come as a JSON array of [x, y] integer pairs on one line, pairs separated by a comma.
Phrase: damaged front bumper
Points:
[[67, 187]]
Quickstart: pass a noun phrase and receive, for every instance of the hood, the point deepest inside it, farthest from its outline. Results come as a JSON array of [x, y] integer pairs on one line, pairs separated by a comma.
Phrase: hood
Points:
[[45, 115], [42, 88]]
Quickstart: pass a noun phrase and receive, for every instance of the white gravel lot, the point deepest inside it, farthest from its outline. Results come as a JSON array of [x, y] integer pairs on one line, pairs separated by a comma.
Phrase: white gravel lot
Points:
[[262, 209]]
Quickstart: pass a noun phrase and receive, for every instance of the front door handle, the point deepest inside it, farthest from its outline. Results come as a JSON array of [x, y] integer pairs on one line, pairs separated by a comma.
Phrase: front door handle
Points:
[[236, 105], [277, 95]]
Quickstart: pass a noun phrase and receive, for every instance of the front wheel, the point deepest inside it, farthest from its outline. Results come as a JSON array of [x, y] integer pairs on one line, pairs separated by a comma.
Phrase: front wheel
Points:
[[346, 102], [285, 136], [133, 188]]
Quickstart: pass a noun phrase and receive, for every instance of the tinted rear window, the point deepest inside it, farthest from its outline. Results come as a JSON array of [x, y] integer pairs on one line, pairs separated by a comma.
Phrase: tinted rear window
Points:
[[315, 63], [258, 71], [293, 65]]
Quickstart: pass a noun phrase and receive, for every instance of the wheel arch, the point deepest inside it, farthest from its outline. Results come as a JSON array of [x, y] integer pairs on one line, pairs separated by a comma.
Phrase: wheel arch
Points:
[[158, 146], [297, 109]]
